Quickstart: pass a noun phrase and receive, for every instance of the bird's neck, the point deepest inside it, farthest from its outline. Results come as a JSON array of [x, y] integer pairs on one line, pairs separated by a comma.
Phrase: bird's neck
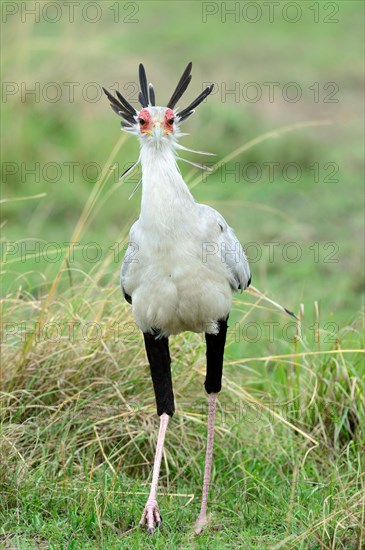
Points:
[[165, 196]]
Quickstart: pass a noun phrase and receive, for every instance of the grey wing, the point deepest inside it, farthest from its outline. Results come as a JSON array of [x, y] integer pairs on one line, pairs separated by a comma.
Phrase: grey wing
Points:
[[230, 250], [235, 258], [128, 260]]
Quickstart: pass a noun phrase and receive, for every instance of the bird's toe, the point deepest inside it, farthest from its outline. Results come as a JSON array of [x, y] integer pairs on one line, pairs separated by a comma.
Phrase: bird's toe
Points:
[[143, 519], [151, 516], [157, 516], [200, 525]]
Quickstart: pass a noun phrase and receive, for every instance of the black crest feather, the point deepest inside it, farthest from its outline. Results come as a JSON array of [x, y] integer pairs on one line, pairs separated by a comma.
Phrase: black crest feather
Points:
[[181, 86], [121, 107], [152, 95], [146, 97], [190, 109], [143, 94]]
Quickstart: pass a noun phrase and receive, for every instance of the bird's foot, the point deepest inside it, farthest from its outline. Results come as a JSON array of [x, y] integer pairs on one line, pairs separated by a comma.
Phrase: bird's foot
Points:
[[151, 516], [200, 524]]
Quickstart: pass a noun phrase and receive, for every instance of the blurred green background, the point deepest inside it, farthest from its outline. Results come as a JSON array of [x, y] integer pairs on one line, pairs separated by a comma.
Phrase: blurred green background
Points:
[[65, 131], [79, 423]]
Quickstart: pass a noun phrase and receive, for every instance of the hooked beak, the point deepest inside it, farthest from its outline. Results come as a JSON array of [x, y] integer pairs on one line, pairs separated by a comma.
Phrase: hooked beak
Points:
[[157, 131]]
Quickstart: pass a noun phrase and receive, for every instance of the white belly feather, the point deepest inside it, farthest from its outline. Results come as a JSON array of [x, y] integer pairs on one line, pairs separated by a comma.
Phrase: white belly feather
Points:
[[175, 290]]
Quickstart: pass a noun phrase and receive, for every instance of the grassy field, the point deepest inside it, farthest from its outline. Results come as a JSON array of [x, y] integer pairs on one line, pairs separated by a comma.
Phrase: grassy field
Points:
[[78, 422]]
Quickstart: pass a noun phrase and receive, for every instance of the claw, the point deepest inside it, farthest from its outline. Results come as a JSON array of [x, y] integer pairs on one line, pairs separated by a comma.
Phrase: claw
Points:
[[200, 525]]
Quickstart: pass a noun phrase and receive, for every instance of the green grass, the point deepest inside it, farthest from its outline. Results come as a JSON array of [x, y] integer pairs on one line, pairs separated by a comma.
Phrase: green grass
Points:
[[78, 422], [79, 430]]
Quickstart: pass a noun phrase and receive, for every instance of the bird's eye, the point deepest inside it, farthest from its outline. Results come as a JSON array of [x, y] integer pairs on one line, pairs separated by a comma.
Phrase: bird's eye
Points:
[[170, 121], [141, 121]]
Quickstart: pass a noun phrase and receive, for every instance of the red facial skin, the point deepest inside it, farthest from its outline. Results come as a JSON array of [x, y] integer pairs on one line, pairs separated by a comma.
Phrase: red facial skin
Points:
[[145, 116], [169, 116], [146, 124]]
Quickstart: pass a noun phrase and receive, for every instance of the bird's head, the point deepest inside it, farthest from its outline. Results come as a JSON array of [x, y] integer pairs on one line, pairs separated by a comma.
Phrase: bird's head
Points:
[[155, 125]]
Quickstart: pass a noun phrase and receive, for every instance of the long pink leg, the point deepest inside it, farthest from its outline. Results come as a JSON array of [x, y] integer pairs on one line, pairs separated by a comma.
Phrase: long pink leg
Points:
[[151, 513], [202, 518]]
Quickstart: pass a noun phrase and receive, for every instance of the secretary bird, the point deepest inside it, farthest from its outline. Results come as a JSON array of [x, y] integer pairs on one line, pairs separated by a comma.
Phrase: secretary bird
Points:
[[181, 267]]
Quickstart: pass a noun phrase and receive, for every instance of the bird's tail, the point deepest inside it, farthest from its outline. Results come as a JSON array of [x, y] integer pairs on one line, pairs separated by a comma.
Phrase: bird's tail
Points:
[[262, 296]]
